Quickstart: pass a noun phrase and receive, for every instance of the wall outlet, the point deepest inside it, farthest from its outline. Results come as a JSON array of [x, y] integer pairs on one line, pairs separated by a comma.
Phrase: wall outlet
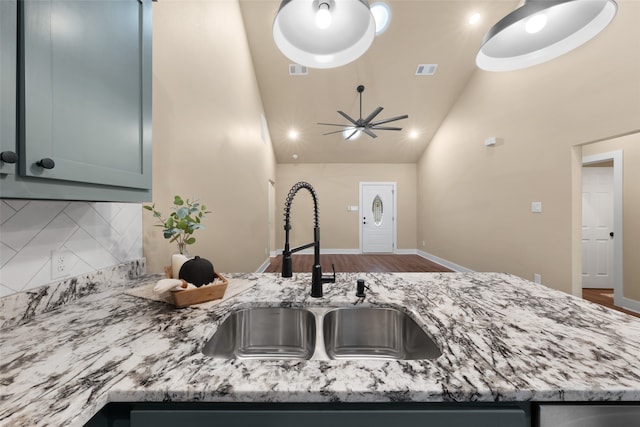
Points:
[[537, 278], [60, 263], [536, 207], [424, 243]]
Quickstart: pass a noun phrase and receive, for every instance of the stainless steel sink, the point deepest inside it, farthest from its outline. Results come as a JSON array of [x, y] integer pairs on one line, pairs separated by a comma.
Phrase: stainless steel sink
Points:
[[320, 333], [265, 333], [375, 333]]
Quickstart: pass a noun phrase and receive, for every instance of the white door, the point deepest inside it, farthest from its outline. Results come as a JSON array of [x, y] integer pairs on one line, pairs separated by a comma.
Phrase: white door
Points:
[[597, 227], [377, 217]]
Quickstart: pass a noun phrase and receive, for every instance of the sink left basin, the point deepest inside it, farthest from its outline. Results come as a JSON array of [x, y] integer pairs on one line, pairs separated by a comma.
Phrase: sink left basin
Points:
[[264, 333]]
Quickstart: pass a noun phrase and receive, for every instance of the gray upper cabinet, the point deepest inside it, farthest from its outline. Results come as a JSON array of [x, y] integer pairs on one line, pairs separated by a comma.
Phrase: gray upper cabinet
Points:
[[8, 47], [83, 100]]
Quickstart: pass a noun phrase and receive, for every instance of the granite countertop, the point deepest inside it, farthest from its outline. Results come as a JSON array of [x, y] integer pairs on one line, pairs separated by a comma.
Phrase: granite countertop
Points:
[[502, 338]]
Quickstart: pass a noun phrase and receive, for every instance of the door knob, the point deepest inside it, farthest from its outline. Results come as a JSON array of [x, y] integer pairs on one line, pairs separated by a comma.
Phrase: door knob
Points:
[[8, 157], [46, 163], [611, 234]]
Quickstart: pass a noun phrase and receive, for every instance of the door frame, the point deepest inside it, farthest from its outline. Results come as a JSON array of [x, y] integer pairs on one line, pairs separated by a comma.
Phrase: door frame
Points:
[[395, 211], [618, 179]]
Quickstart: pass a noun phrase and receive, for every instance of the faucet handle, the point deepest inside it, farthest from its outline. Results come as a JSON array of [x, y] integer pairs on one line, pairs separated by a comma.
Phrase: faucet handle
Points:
[[330, 279]]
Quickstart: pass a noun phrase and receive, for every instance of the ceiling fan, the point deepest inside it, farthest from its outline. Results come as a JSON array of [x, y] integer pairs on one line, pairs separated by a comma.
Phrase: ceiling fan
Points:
[[365, 125]]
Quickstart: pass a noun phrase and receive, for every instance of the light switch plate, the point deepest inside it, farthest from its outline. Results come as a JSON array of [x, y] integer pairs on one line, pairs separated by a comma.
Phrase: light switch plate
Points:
[[536, 207]]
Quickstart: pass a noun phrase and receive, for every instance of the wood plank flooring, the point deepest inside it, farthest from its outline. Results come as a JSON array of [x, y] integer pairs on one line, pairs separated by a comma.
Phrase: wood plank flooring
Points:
[[403, 263], [383, 263], [604, 297]]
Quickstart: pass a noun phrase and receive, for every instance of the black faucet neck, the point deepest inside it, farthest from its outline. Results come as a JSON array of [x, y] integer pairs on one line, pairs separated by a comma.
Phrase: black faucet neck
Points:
[[316, 279]]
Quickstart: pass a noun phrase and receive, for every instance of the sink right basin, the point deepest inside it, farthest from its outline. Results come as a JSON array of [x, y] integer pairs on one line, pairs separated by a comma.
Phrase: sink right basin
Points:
[[375, 333]]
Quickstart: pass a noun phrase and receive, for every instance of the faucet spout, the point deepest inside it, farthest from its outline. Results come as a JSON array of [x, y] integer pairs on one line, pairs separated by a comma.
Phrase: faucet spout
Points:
[[317, 279]]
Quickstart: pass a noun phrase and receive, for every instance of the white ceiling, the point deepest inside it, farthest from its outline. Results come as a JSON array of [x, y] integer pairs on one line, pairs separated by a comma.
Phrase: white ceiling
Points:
[[421, 32]]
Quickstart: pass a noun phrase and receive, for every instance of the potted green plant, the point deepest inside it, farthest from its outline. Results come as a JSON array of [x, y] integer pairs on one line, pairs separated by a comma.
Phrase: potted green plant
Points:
[[182, 222]]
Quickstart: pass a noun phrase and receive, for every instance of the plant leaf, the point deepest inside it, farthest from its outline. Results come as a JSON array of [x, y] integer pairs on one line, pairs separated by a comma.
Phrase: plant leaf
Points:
[[182, 213], [177, 200], [190, 241]]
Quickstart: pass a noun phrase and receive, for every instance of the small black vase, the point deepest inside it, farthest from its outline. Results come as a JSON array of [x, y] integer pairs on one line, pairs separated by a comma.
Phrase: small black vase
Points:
[[197, 271]]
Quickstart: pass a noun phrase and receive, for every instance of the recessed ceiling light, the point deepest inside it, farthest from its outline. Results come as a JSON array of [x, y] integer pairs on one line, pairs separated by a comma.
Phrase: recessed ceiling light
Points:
[[474, 18], [413, 134], [293, 134], [382, 15], [294, 157]]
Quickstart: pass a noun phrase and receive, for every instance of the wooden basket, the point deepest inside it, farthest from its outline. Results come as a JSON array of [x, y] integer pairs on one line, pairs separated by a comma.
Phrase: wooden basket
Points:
[[199, 295]]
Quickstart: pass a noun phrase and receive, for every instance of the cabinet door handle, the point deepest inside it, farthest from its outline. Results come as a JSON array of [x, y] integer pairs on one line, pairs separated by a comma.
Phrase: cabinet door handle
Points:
[[8, 157], [46, 163]]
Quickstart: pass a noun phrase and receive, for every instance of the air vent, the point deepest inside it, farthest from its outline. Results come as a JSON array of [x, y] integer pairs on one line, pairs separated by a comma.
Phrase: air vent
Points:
[[298, 70], [426, 69]]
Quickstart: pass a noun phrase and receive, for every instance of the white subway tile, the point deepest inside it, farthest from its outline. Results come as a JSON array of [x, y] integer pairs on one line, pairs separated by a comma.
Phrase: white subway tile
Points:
[[6, 212], [18, 230]]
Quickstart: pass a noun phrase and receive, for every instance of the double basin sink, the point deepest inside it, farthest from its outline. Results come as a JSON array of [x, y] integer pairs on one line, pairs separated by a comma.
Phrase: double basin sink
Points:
[[320, 334]]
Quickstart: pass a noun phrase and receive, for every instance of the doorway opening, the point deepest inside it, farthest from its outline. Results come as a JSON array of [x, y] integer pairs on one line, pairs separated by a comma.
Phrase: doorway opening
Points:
[[602, 256]]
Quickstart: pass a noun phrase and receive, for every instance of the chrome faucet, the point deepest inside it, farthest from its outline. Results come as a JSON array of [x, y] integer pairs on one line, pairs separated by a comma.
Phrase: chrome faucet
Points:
[[317, 279]]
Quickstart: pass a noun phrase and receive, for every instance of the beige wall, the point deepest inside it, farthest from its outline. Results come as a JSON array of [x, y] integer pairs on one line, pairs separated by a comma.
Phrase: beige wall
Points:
[[630, 145], [338, 186], [207, 134], [474, 202]]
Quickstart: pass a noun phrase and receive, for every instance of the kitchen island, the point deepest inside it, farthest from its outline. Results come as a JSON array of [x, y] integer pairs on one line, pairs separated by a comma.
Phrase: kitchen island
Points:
[[503, 339]]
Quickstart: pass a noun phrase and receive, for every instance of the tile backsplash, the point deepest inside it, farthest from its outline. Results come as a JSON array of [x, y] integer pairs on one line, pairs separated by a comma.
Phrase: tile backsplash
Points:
[[94, 236]]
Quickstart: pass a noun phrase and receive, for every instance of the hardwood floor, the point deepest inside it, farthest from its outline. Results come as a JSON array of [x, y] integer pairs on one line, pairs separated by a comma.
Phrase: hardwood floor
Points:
[[604, 297], [360, 263], [403, 263]]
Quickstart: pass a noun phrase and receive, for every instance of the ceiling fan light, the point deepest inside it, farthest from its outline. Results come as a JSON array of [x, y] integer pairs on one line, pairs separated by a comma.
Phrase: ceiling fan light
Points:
[[510, 45], [349, 131], [299, 38]]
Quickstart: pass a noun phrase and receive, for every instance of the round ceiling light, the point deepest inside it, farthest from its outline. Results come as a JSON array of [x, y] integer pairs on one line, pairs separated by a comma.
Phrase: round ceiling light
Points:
[[323, 33], [382, 15], [542, 30]]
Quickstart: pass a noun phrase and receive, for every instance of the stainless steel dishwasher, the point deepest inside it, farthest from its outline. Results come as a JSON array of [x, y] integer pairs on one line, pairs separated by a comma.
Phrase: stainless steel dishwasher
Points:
[[589, 415]]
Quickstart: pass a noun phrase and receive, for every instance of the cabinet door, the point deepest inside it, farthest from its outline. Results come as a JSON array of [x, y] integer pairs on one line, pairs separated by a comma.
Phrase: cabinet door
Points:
[[86, 91], [8, 50]]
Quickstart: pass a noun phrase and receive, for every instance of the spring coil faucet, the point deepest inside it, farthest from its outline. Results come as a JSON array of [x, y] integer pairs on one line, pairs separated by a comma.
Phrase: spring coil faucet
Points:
[[317, 279]]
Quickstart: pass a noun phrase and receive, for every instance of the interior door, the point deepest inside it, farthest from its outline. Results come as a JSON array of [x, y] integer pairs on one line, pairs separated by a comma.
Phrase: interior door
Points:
[[377, 217], [597, 227]]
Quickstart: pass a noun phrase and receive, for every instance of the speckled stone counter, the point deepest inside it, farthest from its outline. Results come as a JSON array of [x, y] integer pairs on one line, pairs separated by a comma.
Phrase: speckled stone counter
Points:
[[502, 339]]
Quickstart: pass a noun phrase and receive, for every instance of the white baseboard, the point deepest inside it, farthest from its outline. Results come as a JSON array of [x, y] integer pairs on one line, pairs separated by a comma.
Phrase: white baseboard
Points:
[[406, 252], [630, 304], [450, 265], [264, 266]]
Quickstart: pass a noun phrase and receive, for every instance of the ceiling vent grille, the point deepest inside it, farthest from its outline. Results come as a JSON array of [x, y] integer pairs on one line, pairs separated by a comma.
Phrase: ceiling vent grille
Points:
[[298, 70], [426, 69]]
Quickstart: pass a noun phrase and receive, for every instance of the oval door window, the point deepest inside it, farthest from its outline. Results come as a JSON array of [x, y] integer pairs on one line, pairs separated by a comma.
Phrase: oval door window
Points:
[[377, 210]]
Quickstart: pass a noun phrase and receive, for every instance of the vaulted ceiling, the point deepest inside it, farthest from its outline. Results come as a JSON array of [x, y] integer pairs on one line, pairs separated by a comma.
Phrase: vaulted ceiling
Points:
[[420, 32]]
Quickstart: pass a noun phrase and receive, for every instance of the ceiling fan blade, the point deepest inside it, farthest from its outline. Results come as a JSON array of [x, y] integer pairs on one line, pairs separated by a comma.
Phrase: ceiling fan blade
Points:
[[343, 114], [335, 131], [384, 128], [335, 124], [392, 119], [373, 114], [368, 132]]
